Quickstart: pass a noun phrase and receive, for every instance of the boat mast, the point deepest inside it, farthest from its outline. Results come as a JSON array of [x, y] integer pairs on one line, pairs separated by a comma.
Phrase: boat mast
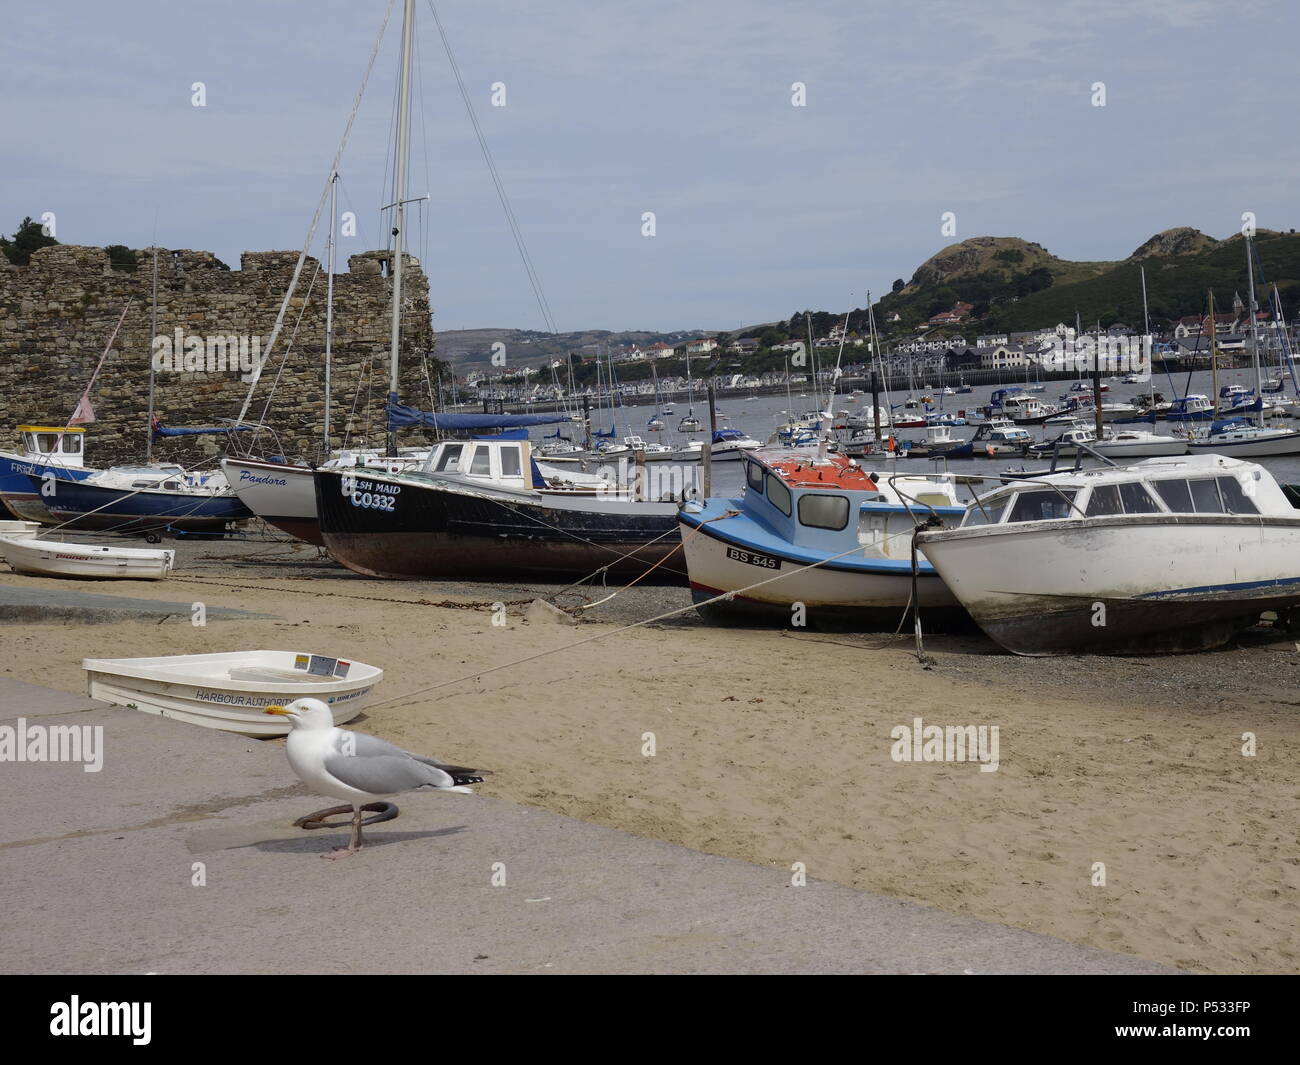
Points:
[[329, 314], [1146, 342], [153, 330], [1214, 363], [1254, 333], [399, 201]]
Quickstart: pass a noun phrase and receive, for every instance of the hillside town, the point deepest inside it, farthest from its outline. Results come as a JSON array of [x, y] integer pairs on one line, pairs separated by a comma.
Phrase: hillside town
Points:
[[938, 350]]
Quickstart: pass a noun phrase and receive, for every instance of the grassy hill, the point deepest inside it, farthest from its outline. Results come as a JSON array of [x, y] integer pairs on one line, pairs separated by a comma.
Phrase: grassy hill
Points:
[[1014, 284], [1177, 285]]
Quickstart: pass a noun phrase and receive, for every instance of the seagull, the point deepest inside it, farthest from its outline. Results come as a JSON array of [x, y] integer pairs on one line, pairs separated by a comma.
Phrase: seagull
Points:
[[358, 768]]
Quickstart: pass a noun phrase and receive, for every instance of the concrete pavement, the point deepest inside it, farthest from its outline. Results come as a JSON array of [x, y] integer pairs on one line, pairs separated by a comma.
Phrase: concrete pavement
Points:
[[101, 873]]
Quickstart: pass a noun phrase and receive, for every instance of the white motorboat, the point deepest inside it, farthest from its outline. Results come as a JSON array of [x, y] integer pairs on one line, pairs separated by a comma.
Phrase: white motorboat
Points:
[[18, 528], [1110, 412], [728, 445], [1003, 438], [231, 690], [57, 558], [1138, 444], [1169, 554]]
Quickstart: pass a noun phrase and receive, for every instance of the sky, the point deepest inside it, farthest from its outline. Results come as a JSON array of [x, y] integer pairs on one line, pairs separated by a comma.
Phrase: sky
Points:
[[684, 109]]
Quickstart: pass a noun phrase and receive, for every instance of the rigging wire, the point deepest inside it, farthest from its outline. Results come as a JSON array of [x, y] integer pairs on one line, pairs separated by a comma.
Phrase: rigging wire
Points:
[[320, 207], [534, 279]]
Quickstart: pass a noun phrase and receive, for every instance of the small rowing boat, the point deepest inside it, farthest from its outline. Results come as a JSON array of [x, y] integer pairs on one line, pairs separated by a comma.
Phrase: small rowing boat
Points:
[[57, 558], [231, 690]]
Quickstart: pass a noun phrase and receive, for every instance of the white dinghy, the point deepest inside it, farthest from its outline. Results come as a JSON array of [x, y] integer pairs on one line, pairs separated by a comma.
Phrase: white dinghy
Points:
[[35, 557], [232, 690]]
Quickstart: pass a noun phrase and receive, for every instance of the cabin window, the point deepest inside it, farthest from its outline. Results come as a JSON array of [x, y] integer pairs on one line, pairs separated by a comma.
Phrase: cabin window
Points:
[[754, 475], [72, 444], [481, 464], [989, 513], [1137, 500], [1045, 505], [779, 494], [820, 511], [1205, 496], [450, 457], [510, 466], [45, 442], [1177, 496], [1104, 501], [1235, 500]]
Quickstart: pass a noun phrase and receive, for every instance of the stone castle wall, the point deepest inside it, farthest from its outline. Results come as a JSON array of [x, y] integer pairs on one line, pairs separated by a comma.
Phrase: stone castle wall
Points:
[[57, 313]]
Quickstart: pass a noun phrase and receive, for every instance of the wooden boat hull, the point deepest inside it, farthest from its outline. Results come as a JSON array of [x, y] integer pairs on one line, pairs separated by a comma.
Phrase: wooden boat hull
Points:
[[428, 528], [231, 691], [1133, 585]]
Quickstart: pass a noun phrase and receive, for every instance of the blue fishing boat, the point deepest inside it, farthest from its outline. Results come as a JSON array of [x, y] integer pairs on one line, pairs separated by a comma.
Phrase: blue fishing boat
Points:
[[44, 450], [818, 540]]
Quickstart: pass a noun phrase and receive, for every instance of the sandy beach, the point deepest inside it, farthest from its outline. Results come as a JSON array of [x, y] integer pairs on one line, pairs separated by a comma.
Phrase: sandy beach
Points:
[[776, 747]]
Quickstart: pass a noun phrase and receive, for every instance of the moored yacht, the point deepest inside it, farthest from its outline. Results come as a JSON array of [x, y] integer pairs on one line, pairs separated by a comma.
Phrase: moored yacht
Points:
[[1236, 436]]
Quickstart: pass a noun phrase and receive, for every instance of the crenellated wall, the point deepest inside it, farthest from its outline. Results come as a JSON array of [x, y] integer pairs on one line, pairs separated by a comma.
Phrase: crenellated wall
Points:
[[57, 313]]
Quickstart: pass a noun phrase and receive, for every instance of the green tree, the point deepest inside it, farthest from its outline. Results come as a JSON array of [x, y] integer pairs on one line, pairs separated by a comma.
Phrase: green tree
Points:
[[28, 237], [899, 285], [120, 257]]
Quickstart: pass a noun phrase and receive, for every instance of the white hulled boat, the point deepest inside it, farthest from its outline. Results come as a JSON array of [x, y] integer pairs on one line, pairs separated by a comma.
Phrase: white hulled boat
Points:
[[58, 558], [231, 690], [1165, 555]]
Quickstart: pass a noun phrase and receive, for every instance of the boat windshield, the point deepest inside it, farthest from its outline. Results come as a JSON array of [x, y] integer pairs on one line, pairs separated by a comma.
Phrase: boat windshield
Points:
[[986, 512]]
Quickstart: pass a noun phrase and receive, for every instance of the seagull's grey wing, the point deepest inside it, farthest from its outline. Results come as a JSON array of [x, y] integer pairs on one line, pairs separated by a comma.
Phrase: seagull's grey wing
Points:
[[385, 774], [372, 746]]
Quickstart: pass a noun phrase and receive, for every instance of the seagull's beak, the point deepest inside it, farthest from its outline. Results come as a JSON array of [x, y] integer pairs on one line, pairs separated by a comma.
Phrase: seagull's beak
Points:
[[279, 710]]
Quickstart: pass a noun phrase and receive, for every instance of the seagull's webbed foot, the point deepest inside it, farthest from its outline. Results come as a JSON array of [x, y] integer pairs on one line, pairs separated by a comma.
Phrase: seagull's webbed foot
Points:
[[354, 844]]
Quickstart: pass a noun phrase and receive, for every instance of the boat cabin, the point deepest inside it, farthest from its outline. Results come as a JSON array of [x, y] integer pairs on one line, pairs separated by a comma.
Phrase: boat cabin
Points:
[[815, 501], [501, 463], [1204, 484], [64, 446]]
